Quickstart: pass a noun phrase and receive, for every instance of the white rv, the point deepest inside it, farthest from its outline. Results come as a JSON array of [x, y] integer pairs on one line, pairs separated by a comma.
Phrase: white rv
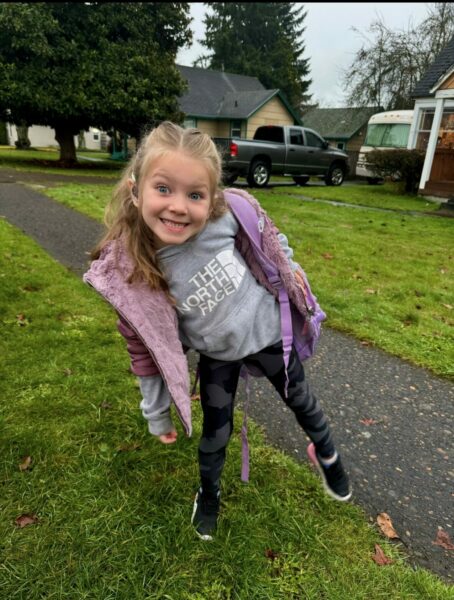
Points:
[[384, 131]]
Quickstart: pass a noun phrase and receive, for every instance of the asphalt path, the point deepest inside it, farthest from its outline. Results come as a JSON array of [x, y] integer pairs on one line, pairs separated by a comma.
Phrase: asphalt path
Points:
[[392, 421]]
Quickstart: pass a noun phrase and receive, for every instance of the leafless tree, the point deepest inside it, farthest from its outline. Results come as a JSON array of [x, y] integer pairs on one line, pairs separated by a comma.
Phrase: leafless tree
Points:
[[391, 62]]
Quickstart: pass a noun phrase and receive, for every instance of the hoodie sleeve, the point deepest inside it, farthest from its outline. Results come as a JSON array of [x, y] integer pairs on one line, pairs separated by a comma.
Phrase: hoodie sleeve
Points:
[[142, 364], [288, 251], [155, 405]]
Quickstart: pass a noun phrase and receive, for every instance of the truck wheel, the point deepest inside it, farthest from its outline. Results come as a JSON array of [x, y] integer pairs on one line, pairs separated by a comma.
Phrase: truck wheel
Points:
[[335, 175], [301, 180], [259, 174]]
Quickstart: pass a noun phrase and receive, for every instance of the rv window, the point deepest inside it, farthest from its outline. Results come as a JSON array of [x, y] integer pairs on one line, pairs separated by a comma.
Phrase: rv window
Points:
[[387, 136], [396, 136]]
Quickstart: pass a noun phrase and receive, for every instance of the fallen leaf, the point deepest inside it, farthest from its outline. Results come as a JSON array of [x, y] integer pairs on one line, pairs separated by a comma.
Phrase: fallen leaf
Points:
[[271, 554], [365, 343], [371, 291], [105, 405], [195, 397], [368, 421], [26, 519], [328, 256], [25, 464], [380, 558], [386, 526], [443, 540], [448, 306], [21, 320], [67, 372]]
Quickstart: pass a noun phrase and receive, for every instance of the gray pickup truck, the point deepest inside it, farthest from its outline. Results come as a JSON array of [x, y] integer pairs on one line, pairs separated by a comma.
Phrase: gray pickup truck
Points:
[[290, 150]]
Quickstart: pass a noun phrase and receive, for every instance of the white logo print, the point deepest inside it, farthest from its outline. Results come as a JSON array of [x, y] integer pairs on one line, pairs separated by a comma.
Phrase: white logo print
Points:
[[221, 277]]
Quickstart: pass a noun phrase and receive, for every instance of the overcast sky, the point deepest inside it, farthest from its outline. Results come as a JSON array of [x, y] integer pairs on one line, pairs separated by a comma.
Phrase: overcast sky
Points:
[[330, 42]]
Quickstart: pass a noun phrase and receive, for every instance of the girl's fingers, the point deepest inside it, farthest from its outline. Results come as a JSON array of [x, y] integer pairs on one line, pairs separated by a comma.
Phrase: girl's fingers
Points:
[[168, 438]]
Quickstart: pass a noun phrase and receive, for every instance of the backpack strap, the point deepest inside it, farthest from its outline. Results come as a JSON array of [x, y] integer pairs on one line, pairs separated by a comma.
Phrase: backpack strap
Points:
[[253, 225]]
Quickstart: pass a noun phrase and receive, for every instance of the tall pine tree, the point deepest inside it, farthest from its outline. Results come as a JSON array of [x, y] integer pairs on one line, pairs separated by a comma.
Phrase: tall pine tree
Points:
[[263, 40]]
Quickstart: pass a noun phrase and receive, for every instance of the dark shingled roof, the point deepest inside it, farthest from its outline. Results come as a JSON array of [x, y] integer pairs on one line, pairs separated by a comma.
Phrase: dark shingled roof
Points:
[[211, 93], [339, 123], [440, 67]]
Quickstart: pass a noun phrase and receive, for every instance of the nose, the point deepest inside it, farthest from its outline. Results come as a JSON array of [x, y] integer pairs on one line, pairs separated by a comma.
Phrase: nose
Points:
[[178, 204]]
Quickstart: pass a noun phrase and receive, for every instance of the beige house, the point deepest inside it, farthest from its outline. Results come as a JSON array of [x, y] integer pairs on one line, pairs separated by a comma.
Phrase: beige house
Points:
[[433, 125], [229, 105]]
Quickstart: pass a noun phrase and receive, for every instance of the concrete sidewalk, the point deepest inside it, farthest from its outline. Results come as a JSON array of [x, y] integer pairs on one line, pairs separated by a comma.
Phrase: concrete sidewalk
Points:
[[401, 463]]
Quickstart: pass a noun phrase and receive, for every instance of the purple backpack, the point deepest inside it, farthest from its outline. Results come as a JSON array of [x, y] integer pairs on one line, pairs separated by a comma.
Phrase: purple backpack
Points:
[[302, 331]]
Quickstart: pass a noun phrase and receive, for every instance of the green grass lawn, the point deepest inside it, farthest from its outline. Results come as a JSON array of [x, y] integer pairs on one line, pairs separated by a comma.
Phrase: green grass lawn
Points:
[[385, 196], [385, 277], [42, 160], [113, 505]]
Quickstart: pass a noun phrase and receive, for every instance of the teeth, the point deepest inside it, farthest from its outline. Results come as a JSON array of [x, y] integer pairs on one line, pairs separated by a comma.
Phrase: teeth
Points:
[[173, 224]]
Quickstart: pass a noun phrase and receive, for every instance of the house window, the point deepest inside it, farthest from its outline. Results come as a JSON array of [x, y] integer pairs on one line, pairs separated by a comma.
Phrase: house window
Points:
[[425, 125], [189, 122], [446, 131], [96, 137], [341, 145], [235, 129]]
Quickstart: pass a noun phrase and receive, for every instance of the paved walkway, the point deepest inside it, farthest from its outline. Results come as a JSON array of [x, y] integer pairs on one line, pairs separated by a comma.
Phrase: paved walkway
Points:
[[401, 464]]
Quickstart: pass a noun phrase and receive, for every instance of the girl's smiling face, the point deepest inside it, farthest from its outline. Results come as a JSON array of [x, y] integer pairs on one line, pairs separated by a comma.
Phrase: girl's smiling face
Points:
[[176, 198]]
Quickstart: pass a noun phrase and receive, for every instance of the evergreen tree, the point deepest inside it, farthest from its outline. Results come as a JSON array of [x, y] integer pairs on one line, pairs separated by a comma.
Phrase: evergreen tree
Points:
[[263, 40]]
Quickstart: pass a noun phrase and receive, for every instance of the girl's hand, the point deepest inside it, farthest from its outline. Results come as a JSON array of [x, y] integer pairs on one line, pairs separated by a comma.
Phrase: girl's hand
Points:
[[168, 438]]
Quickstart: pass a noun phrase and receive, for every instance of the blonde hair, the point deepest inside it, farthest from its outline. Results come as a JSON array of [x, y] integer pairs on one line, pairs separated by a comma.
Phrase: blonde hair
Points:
[[122, 216]]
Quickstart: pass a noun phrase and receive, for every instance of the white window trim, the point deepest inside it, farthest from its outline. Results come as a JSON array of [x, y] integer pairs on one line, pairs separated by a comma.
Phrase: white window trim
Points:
[[432, 144]]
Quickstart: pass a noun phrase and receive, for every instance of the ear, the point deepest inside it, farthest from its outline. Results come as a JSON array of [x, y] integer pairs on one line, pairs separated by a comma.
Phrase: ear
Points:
[[134, 192]]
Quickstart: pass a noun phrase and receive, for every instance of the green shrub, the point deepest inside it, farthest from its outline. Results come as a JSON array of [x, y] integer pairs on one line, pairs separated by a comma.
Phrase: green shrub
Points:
[[402, 164]]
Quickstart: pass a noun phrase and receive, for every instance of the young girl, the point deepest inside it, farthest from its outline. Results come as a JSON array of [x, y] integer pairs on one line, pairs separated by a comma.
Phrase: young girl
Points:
[[173, 266]]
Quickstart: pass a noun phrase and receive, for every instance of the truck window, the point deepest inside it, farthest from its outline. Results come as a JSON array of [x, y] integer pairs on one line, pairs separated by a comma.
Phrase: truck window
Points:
[[313, 140], [296, 137], [270, 134]]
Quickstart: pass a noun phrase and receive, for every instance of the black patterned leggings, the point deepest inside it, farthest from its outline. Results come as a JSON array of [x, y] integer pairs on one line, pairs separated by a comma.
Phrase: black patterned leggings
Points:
[[218, 384]]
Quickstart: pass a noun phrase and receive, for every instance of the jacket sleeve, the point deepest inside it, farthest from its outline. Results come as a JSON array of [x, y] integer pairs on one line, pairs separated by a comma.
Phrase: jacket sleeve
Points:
[[142, 363]]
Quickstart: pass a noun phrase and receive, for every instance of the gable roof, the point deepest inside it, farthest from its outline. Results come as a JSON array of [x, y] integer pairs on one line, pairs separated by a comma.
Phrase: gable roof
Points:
[[443, 63], [339, 123], [220, 95]]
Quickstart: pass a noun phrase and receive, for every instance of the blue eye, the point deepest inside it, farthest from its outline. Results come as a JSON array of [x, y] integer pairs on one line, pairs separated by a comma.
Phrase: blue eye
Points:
[[162, 189], [195, 196]]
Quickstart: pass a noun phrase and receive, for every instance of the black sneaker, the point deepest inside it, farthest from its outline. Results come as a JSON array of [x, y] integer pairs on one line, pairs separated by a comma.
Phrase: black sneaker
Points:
[[205, 514], [335, 479]]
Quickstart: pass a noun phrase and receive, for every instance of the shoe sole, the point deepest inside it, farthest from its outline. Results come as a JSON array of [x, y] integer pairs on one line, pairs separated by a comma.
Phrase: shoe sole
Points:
[[313, 458], [205, 537]]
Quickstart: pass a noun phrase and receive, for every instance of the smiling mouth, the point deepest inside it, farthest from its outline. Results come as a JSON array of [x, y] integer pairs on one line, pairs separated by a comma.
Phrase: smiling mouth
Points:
[[174, 225]]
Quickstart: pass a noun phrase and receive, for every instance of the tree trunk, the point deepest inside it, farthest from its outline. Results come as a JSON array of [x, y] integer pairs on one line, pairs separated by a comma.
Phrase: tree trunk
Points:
[[65, 138], [22, 143]]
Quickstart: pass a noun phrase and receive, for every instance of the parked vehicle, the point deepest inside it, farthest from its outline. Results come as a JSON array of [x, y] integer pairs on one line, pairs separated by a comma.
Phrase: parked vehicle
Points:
[[290, 150], [384, 131]]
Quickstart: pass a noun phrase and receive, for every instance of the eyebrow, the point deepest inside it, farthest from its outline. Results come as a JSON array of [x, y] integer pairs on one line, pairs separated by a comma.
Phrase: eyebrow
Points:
[[194, 184]]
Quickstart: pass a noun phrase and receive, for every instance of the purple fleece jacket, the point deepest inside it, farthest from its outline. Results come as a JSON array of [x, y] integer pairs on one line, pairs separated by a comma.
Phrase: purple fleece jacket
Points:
[[149, 322]]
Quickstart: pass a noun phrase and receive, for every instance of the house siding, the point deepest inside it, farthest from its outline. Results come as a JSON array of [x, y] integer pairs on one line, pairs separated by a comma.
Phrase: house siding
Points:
[[448, 84], [209, 127], [44, 137], [273, 113]]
